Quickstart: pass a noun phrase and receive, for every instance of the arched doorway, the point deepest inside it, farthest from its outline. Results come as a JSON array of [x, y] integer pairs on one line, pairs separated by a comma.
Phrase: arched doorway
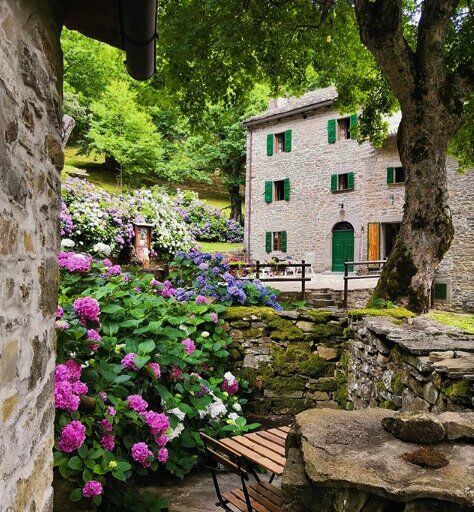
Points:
[[342, 245]]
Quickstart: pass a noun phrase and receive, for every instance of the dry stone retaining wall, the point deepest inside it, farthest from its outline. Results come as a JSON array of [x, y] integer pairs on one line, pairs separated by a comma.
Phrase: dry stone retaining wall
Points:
[[30, 161]]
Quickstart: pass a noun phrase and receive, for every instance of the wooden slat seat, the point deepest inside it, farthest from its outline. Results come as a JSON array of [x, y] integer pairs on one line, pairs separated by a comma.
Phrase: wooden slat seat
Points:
[[264, 497]]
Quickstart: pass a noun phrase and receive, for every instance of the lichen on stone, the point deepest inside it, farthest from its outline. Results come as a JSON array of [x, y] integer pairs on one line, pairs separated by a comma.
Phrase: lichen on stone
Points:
[[397, 313], [458, 391]]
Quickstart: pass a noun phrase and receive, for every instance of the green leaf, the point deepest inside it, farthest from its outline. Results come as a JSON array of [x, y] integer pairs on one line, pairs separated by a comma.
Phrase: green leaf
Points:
[[75, 463], [112, 308], [146, 347], [119, 475], [141, 361], [83, 451], [76, 494]]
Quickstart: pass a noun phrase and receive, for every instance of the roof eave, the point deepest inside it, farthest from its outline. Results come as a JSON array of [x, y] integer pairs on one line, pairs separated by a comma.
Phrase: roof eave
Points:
[[289, 113]]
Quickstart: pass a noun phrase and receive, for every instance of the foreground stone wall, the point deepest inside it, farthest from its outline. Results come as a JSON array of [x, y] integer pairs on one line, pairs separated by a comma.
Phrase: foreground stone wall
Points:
[[416, 366], [293, 360], [30, 163]]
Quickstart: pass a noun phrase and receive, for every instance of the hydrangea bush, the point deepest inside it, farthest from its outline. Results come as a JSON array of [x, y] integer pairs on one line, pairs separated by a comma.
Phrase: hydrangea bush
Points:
[[197, 274], [139, 374], [90, 215], [208, 224]]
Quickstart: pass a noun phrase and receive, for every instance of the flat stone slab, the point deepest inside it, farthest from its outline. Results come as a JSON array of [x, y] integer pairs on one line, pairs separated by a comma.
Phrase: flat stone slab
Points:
[[456, 367], [351, 449], [422, 336]]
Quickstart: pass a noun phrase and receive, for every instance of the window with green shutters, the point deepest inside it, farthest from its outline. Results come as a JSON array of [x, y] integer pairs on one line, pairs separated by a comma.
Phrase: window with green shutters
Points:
[[270, 144], [353, 122], [390, 175], [395, 175], [286, 189], [441, 291], [284, 239], [288, 140], [268, 191], [331, 131], [342, 182], [268, 241]]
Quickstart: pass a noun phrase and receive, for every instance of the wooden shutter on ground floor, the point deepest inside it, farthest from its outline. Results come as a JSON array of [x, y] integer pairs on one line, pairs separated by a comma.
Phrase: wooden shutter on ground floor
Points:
[[270, 144], [268, 191], [284, 241], [350, 181], [331, 131], [440, 291], [390, 175], [268, 241], [373, 241], [288, 140], [333, 182], [286, 189], [353, 122]]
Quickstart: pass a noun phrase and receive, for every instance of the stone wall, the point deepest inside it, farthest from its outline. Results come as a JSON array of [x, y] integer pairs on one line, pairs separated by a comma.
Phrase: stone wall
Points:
[[30, 163], [416, 366], [293, 360]]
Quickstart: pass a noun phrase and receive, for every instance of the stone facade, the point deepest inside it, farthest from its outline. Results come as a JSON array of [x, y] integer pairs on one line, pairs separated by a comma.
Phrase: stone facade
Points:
[[312, 210], [30, 162], [418, 366], [293, 360]]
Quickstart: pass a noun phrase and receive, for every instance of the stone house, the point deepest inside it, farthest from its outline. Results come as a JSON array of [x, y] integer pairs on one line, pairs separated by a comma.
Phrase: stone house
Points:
[[314, 193], [31, 159]]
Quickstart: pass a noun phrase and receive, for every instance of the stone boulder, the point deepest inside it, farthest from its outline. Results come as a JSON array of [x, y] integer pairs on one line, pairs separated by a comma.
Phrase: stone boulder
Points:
[[458, 426], [415, 427]]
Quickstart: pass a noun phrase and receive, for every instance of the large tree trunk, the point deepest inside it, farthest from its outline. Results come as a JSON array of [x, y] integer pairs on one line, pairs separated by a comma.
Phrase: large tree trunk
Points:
[[431, 101], [427, 230], [236, 200]]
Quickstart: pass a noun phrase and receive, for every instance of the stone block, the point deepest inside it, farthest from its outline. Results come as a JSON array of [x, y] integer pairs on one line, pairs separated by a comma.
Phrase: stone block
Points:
[[8, 362], [327, 353]]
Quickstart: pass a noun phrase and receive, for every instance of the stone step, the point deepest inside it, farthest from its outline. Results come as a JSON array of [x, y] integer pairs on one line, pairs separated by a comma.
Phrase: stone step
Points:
[[321, 303]]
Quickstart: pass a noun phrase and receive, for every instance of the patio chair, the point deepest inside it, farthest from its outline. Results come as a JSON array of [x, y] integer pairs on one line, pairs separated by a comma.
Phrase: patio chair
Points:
[[257, 497], [310, 257]]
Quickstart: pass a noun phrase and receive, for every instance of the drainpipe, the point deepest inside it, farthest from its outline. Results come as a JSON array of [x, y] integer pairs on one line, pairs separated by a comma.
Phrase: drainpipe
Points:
[[249, 199], [138, 29]]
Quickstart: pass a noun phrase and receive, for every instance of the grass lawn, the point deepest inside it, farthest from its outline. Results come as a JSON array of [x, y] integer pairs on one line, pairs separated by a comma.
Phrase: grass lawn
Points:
[[213, 193], [220, 247], [460, 320]]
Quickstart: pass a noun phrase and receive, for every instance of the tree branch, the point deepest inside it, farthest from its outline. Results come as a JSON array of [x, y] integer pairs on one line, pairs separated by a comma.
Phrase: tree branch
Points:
[[382, 33]]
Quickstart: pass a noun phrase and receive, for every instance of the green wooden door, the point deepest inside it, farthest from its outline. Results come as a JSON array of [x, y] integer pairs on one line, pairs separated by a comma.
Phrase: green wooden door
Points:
[[342, 248]]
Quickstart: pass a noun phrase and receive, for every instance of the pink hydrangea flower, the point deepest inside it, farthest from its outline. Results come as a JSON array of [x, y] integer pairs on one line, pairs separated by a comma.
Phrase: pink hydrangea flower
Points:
[[158, 422], [80, 388], [200, 299], [111, 411], [108, 442], [162, 455], [189, 346], [175, 373], [87, 309], [64, 396], [136, 403], [93, 335], [72, 437], [214, 317], [92, 489], [103, 395], [114, 270], [61, 372], [61, 325], [128, 362], [59, 312], [168, 290], [73, 262], [107, 263], [74, 368], [106, 425], [161, 440], [142, 454], [154, 369], [94, 347]]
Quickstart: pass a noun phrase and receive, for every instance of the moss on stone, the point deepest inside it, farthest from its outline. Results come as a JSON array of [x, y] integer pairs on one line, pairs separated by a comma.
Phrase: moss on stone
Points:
[[290, 405], [328, 330], [341, 395], [283, 386], [458, 391], [298, 359], [288, 334], [387, 404], [277, 322], [240, 324], [397, 383], [257, 332], [241, 312], [324, 384], [317, 315], [397, 313], [380, 386]]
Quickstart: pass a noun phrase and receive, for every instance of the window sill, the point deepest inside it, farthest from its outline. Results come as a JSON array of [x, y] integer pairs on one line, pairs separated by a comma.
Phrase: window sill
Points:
[[343, 190], [397, 184]]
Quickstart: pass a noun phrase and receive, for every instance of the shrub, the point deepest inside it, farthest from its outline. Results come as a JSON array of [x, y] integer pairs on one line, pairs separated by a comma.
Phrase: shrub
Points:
[[208, 275], [139, 374]]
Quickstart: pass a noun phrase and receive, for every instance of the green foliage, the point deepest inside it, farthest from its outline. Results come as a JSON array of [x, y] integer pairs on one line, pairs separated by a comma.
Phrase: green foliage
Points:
[[461, 321], [397, 313], [121, 130]]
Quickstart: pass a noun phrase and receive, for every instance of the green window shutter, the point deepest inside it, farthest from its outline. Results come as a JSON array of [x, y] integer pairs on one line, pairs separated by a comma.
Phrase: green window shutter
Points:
[[333, 182], [286, 189], [390, 175], [268, 191], [270, 144], [353, 120], [288, 137], [331, 131], [350, 181], [284, 239], [440, 291], [268, 241]]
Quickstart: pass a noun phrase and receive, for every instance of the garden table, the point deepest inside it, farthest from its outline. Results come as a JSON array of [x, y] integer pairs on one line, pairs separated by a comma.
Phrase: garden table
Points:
[[265, 448]]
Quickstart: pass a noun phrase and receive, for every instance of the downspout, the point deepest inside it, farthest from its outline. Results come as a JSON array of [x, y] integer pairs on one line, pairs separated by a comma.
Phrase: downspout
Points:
[[249, 201], [138, 20]]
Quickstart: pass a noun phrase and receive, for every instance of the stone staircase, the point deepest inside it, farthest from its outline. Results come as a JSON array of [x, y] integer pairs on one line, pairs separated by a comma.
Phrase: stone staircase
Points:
[[320, 298]]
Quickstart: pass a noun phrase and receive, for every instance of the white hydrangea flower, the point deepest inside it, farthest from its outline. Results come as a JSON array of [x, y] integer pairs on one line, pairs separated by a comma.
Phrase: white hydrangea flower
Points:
[[178, 413], [176, 432], [233, 416], [229, 377], [237, 407], [102, 249], [67, 242], [205, 334], [216, 409]]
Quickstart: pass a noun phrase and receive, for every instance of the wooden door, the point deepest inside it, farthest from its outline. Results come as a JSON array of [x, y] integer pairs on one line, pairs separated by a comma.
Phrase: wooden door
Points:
[[373, 242], [342, 249]]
